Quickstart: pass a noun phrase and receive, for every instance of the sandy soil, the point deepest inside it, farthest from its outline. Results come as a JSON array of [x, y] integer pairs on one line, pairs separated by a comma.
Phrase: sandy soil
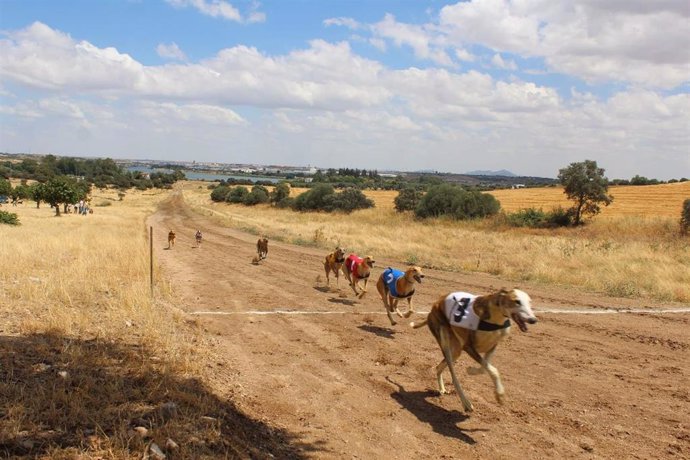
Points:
[[348, 385]]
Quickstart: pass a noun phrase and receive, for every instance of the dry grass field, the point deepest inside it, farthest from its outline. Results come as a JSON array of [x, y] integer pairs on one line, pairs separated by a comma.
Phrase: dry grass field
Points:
[[86, 357], [632, 249], [640, 201]]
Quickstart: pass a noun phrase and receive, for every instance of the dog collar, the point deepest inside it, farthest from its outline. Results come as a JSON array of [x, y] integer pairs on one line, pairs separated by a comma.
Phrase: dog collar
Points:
[[486, 326]]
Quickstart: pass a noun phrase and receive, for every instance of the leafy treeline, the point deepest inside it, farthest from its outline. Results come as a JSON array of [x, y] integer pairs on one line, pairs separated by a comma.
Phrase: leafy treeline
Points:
[[99, 172], [321, 197], [641, 180]]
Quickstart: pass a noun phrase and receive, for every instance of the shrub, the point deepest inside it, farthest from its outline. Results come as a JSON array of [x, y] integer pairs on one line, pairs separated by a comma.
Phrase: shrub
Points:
[[322, 197], [8, 218], [529, 217], [219, 193], [685, 217], [536, 218], [407, 199], [349, 200], [288, 202], [237, 194], [280, 193], [559, 217], [315, 199], [453, 201], [259, 194]]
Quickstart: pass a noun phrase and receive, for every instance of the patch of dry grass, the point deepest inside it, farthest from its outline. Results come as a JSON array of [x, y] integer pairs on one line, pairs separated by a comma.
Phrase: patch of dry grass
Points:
[[86, 356], [631, 256]]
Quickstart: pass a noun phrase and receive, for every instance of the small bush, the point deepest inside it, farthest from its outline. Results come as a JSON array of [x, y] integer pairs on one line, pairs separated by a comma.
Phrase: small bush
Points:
[[537, 218], [237, 194], [407, 199], [685, 218], [219, 193], [104, 203], [529, 217], [560, 217], [8, 218], [316, 199], [323, 197], [349, 200], [259, 194]]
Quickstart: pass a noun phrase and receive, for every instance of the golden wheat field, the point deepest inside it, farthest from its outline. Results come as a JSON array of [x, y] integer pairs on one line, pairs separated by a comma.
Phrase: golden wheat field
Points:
[[629, 254], [83, 344], [646, 201]]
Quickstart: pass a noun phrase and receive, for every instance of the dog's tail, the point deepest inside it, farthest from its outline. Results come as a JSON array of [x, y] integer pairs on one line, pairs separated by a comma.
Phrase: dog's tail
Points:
[[418, 324]]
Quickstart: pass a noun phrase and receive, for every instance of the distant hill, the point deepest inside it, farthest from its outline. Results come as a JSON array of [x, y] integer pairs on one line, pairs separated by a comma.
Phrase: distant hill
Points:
[[502, 172]]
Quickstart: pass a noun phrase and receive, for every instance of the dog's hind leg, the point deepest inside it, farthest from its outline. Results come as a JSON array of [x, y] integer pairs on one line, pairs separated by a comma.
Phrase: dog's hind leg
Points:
[[446, 346]]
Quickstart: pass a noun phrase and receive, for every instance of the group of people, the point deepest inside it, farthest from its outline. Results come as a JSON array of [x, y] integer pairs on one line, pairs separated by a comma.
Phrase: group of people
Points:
[[82, 208]]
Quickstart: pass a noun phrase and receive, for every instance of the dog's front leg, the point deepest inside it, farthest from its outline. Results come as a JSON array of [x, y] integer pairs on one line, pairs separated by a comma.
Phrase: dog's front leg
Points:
[[410, 310], [364, 291], [485, 362]]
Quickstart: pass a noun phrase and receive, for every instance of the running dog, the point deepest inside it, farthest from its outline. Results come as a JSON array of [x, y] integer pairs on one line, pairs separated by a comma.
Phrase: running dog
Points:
[[334, 263], [394, 285], [198, 237], [171, 239], [355, 269], [475, 324], [262, 248]]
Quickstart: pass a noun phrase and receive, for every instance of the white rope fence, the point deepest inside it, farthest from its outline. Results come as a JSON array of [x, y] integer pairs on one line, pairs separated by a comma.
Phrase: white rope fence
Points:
[[557, 311]]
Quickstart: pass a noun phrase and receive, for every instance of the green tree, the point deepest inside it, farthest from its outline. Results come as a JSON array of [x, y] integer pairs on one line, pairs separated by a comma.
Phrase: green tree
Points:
[[37, 191], [21, 192], [586, 185], [60, 190], [5, 187], [408, 199]]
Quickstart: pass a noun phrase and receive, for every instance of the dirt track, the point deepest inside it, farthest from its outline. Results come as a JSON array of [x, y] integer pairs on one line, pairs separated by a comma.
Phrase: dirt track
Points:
[[351, 386]]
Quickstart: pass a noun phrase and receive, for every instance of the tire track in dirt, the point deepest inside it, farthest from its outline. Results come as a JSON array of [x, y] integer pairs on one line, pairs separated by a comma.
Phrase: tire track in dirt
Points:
[[352, 386]]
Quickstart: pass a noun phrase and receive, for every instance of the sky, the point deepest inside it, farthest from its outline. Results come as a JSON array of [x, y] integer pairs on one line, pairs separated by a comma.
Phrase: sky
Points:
[[525, 85]]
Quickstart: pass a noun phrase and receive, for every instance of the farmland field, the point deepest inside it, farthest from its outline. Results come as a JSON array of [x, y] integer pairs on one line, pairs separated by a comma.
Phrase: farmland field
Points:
[[330, 377]]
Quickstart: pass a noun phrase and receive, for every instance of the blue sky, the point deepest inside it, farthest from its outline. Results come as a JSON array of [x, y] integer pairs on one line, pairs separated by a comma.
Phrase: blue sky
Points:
[[528, 85]]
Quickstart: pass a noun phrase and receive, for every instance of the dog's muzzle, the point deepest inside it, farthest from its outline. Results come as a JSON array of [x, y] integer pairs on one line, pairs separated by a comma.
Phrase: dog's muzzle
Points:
[[522, 322]]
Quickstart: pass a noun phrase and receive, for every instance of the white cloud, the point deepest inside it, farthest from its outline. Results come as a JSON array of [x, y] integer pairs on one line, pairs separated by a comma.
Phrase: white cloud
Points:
[[163, 113], [498, 62], [342, 21], [639, 42], [171, 51], [326, 98], [464, 55], [221, 9], [416, 37]]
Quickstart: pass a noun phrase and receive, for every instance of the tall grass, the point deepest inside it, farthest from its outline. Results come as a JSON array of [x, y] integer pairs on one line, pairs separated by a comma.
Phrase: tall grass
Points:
[[630, 256], [85, 354]]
